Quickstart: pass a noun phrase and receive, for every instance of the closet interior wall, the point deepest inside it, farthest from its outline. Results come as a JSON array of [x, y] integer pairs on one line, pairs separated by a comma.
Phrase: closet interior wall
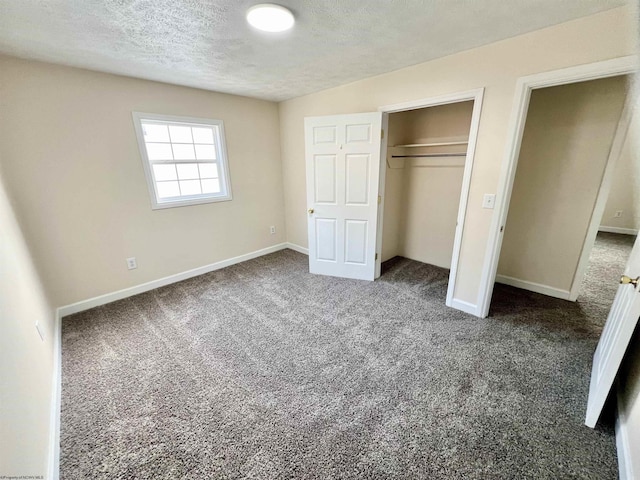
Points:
[[422, 194]]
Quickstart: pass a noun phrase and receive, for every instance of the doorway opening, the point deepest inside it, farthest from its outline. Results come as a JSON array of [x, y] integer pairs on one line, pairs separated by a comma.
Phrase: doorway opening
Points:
[[524, 88], [427, 158], [570, 146]]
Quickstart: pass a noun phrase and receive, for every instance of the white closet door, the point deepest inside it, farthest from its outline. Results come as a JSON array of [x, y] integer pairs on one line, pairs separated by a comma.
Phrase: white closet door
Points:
[[343, 167]]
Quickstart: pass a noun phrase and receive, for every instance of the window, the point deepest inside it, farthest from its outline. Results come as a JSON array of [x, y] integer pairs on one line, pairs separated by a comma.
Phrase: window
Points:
[[185, 159]]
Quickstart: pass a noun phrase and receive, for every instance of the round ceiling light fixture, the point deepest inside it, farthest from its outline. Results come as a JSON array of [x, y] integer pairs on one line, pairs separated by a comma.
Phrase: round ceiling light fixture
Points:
[[270, 18]]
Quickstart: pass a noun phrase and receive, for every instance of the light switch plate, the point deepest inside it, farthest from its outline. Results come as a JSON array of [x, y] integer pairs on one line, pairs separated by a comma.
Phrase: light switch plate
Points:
[[489, 200]]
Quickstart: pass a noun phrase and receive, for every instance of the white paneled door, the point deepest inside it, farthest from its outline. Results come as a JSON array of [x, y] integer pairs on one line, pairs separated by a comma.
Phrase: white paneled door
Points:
[[615, 337], [343, 168]]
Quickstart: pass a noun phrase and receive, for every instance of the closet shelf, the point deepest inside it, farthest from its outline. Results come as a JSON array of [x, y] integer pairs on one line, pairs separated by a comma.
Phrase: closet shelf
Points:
[[430, 155], [436, 144]]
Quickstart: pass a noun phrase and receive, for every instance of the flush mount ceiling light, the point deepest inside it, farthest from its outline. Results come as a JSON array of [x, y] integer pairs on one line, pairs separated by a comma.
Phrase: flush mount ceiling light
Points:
[[270, 18]]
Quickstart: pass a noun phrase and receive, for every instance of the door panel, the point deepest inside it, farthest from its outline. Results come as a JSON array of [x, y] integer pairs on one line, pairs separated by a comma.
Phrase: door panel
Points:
[[357, 180], [615, 338], [358, 133], [325, 178], [343, 169], [324, 135], [356, 241], [326, 239]]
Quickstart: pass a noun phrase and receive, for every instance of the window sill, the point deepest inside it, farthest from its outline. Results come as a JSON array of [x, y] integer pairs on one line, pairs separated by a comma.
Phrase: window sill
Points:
[[187, 202]]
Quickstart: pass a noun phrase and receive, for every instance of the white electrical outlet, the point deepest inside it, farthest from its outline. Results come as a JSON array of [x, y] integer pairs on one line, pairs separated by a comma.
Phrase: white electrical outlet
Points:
[[618, 214], [489, 200], [272, 230], [131, 263]]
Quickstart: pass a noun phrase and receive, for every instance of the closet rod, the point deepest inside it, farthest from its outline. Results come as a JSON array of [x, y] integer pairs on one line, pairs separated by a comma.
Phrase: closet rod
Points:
[[430, 155], [432, 144]]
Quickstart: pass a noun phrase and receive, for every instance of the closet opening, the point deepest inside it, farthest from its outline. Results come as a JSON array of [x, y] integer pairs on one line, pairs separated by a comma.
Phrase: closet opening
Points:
[[426, 169], [572, 143]]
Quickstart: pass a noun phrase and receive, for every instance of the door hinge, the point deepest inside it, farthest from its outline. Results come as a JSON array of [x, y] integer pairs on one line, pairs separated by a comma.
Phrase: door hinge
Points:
[[376, 256], [381, 133], [379, 199]]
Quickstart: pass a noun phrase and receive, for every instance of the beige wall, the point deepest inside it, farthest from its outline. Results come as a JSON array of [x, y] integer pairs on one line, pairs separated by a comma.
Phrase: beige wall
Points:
[[26, 362], [565, 147], [72, 163], [495, 67], [394, 195], [421, 222], [625, 187], [431, 206], [443, 123]]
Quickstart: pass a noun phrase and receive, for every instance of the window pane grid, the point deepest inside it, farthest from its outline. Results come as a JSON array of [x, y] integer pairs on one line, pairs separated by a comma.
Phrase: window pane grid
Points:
[[186, 160], [187, 179], [188, 188]]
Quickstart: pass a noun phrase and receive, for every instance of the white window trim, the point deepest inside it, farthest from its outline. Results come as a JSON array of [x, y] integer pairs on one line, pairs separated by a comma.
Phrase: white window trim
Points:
[[222, 161]]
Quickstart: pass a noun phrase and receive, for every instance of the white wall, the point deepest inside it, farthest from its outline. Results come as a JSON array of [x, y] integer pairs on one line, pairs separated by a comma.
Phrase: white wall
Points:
[[26, 361], [565, 147], [496, 67], [73, 166]]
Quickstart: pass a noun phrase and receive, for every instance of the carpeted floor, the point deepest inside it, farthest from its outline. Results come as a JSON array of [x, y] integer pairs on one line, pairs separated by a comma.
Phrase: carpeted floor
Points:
[[606, 264], [264, 371]]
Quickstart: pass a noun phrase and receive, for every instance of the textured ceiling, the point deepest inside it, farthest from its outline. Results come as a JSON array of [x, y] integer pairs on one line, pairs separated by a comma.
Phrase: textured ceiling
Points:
[[208, 44]]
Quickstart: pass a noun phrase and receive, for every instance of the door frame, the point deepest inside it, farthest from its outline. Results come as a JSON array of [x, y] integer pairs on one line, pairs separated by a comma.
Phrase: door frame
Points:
[[524, 86], [476, 96]]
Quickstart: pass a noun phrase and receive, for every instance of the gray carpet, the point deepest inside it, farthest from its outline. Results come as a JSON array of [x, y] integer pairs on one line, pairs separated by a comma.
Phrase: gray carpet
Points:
[[264, 371], [606, 264]]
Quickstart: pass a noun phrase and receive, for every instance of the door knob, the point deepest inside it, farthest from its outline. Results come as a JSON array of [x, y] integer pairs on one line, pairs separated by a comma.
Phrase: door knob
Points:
[[311, 210], [624, 280]]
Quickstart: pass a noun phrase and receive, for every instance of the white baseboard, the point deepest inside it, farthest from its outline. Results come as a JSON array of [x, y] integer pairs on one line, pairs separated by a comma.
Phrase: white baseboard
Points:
[[625, 231], [465, 307], [56, 393], [622, 444], [298, 248], [145, 287], [534, 287]]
